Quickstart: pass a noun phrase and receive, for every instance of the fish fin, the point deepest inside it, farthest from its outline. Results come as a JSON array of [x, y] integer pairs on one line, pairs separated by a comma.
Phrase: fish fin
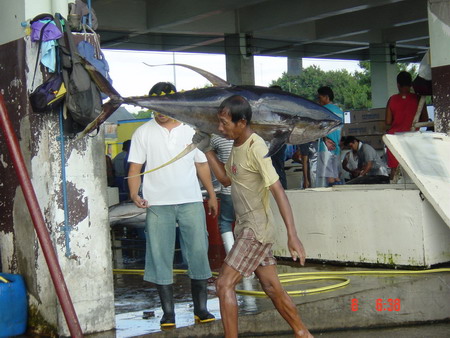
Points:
[[279, 140], [108, 109], [102, 83], [185, 151], [214, 79]]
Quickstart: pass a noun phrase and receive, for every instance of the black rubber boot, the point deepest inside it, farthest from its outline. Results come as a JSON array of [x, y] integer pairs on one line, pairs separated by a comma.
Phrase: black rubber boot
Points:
[[166, 296], [199, 298]]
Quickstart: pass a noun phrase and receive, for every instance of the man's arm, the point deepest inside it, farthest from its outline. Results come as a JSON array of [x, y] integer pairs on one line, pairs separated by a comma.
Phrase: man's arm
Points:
[[295, 246], [388, 118], [218, 168], [204, 174], [305, 168], [366, 168], [424, 114], [134, 183]]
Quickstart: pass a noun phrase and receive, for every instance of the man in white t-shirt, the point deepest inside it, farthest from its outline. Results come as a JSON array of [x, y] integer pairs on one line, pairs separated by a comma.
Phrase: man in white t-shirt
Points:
[[172, 196]]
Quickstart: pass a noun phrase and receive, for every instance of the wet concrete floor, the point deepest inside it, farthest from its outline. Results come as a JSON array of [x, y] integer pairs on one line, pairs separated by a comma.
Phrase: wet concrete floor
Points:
[[138, 309], [359, 309]]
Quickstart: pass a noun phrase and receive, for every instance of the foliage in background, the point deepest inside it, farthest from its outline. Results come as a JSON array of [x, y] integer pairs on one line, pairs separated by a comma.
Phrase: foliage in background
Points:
[[143, 114], [351, 91]]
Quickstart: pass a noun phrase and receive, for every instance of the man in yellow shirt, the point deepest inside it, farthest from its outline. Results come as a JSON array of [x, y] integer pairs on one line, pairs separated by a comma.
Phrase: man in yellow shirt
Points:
[[251, 177]]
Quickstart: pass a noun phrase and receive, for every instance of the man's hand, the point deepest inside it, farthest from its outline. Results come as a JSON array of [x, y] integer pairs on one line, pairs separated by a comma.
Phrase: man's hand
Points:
[[139, 202], [306, 184], [213, 206], [329, 144], [296, 249], [202, 141]]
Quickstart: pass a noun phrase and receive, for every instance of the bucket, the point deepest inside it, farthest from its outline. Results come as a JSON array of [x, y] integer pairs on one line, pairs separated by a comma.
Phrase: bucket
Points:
[[13, 305]]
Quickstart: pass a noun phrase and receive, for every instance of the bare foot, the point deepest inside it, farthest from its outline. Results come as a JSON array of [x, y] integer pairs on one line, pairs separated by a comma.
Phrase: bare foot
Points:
[[304, 334]]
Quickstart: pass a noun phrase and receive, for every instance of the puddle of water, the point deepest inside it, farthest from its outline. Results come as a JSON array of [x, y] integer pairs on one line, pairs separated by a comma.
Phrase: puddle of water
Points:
[[132, 324]]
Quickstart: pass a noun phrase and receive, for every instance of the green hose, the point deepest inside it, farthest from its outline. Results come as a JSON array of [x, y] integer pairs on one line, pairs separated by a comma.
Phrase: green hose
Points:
[[307, 276]]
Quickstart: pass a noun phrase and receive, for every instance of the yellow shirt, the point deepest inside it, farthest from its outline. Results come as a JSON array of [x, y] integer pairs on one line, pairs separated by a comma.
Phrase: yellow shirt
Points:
[[251, 176]]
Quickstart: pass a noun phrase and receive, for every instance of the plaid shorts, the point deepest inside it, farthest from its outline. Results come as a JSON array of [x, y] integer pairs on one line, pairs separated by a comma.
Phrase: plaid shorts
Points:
[[248, 253]]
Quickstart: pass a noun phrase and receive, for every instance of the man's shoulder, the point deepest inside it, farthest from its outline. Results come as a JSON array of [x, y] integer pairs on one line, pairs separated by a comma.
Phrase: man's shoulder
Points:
[[257, 145], [367, 147]]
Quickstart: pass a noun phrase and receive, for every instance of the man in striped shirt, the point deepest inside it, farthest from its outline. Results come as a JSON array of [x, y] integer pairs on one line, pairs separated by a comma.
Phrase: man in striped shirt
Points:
[[222, 147]]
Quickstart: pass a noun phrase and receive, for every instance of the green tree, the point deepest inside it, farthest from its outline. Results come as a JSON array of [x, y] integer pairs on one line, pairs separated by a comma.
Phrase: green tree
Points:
[[348, 91], [351, 91], [143, 114]]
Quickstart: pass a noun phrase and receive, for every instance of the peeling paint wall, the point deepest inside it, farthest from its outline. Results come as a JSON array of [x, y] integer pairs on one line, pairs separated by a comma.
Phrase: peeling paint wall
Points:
[[83, 247]]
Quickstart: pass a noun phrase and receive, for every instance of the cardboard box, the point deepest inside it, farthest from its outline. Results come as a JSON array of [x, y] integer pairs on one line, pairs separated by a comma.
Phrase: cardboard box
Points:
[[364, 128], [374, 140], [368, 115]]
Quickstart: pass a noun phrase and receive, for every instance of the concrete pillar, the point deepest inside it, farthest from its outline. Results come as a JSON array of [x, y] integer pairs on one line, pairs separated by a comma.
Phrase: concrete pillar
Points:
[[83, 243], [383, 74], [294, 66], [240, 64], [439, 28]]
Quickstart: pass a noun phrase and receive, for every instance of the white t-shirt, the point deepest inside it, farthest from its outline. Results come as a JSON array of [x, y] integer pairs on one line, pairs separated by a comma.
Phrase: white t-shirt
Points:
[[176, 183]]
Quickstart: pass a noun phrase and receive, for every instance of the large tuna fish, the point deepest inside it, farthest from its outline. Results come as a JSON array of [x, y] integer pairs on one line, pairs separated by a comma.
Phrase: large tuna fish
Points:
[[278, 117]]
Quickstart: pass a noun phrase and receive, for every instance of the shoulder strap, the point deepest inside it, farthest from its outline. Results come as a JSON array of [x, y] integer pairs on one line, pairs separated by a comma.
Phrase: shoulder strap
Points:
[[39, 51]]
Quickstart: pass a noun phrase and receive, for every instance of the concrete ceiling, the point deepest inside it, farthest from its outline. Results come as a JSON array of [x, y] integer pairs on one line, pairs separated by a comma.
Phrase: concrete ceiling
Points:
[[335, 29]]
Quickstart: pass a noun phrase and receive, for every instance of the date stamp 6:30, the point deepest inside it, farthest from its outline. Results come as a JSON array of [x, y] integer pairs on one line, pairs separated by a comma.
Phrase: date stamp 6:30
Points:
[[380, 304]]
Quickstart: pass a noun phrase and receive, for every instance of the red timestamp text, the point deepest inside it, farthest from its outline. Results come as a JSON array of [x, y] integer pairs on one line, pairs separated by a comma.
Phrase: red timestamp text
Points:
[[389, 304]]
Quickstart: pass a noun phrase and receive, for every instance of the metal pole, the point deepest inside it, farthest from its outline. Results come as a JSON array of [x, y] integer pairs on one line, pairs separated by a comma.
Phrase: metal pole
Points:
[[39, 223]]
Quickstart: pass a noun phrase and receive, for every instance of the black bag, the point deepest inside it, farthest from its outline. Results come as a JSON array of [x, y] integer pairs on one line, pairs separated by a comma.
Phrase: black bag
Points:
[[48, 95], [83, 98]]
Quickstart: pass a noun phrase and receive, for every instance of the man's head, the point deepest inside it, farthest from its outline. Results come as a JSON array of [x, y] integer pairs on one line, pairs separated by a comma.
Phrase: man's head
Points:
[[326, 95], [234, 116], [351, 142], [404, 82], [162, 88], [126, 145]]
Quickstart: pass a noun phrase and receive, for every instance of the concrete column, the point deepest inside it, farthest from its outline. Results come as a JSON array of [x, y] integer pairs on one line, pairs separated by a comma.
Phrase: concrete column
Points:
[[383, 74], [439, 28], [82, 244], [240, 65], [294, 66]]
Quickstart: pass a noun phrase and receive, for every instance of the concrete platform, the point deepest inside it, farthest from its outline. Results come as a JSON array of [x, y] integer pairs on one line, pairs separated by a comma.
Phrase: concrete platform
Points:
[[416, 299]]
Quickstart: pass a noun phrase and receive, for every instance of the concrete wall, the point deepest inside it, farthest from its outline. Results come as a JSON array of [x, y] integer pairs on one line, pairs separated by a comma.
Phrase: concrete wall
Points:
[[366, 224], [83, 244], [14, 12]]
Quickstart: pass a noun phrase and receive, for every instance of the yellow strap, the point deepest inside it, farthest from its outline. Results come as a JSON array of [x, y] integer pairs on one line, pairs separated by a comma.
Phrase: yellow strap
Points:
[[4, 280]]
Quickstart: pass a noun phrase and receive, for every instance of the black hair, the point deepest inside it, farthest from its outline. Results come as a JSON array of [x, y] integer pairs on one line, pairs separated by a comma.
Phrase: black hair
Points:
[[237, 107], [349, 139], [325, 90], [126, 145], [162, 87], [404, 79]]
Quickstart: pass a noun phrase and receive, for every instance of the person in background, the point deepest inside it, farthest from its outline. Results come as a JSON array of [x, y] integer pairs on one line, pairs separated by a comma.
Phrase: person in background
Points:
[[371, 169], [172, 196], [252, 177], [306, 153], [120, 163], [279, 158], [350, 162], [222, 147], [109, 171], [400, 111], [328, 167]]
